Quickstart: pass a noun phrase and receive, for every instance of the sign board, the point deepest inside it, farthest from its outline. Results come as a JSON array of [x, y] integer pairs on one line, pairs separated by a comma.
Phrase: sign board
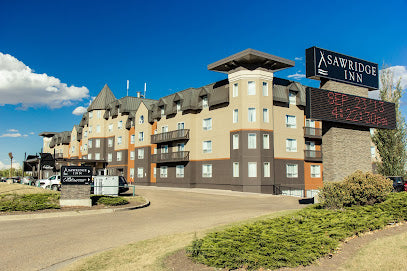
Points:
[[345, 108], [321, 63], [76, 175]]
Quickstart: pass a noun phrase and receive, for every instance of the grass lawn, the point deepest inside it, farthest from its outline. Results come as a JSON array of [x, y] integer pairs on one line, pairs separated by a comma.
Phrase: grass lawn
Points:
[[22, 189]]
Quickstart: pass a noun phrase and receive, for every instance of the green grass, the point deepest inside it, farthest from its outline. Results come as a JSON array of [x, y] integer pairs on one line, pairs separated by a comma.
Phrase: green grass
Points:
[[108, 200], [28, 202], [294, 240]]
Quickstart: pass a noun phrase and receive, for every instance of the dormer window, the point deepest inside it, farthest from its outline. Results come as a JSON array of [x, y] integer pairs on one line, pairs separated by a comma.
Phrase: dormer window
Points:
[[162, 111], [204, 101], [141, 119], [292, 97], [178, 104]]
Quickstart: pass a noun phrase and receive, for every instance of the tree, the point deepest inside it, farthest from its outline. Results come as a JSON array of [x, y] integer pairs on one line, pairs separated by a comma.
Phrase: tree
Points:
[[391, 144]]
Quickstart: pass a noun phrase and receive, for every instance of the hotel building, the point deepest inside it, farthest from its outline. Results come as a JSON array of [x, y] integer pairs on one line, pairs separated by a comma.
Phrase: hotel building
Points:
[[247, 132]]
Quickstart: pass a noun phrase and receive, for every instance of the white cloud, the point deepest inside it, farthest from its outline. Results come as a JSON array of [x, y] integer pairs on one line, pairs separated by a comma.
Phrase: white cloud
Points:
[[31, 133], [399, 72], [298, 58], [79, 110], [12, 130], [11, 135], [20, 85], [296, 76], [4, 166]]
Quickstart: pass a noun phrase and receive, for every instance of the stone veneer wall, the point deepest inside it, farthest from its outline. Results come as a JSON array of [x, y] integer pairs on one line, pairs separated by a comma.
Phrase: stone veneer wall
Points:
[[74, 191], [345, 148]]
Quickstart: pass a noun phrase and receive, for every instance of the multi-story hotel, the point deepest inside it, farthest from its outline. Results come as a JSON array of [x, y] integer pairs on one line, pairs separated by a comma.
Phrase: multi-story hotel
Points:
[[247, 132]]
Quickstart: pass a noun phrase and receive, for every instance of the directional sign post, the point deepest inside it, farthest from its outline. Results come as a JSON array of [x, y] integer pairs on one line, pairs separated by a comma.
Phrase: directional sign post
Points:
[[75, 190]]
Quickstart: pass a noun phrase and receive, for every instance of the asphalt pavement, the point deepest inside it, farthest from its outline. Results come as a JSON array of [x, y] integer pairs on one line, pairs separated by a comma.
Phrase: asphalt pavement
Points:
[[49, 243]]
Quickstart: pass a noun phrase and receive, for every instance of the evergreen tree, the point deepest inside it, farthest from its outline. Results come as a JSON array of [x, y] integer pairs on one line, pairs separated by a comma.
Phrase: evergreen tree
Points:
[[391, 144]]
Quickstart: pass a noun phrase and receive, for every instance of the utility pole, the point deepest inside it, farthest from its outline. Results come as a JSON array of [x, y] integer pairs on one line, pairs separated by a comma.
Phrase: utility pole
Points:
[[10, 154]]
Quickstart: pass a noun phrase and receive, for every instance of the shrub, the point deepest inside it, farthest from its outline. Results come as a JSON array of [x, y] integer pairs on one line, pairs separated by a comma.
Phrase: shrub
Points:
[[108, 200], [28, 202], [296, 239], [359, 188]]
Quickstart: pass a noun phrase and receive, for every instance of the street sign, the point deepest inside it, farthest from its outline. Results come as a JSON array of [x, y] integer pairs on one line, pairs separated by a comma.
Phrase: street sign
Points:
[[76, 175]]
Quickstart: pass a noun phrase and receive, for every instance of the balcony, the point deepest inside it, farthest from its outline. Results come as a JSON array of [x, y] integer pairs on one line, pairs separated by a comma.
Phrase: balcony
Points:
[[313, 156], [59, 155], [180, 156], [170, 136], [311, 132]]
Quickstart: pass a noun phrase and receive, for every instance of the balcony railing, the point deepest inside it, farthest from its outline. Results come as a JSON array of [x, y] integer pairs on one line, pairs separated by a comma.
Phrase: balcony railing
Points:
[[59, 155], [179, 156], [315, 156], [312, 132], [170, 136]]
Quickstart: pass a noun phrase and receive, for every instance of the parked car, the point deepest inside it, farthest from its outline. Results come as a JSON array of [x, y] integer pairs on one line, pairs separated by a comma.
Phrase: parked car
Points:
[[398, 183], [53, 182], [28, 180]]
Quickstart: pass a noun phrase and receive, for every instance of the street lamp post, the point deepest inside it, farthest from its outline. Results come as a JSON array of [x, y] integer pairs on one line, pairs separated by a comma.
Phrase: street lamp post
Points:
[[10, 154]]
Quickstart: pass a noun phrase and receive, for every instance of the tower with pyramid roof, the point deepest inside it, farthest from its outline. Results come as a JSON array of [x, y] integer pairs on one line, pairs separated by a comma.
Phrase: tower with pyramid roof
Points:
[[104, 98]]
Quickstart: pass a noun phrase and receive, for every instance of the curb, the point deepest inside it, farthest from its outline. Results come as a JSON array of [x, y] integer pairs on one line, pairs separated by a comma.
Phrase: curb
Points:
[[72, 213]]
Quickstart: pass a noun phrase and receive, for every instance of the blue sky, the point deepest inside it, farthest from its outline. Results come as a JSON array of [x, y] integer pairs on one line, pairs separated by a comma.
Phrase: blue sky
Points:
[[72, 48]]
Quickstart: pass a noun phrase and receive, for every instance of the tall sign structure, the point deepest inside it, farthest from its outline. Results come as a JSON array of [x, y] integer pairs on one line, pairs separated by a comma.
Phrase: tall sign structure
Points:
[[346, 112]]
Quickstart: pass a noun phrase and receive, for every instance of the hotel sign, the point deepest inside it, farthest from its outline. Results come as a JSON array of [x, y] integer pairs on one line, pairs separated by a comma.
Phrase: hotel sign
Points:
[[321, 63], [76, 175], [350, 109]]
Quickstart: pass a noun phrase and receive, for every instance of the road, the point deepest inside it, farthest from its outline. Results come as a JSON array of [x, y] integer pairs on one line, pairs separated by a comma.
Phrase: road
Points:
[[48, 243]]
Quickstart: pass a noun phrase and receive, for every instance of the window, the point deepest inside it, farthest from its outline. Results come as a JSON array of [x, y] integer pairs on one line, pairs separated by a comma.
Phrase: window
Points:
[[292, 97], [73, 149], [252, 169], [251, 88], [97, 143], [97, 156], [90, 129], [265, 89], [90, 114], [119, 156], [110, 127], [207, 124], [181, 146], [235, 141], [110, 142], [252, 115], [98, 128], [141, 119], [162, 111], [90, 143], [109, 157], [178, 105], [315, 171], [266, 141], [251, 142], [119, 140], [207, 171], [292, 170], [131, 172], [207, 146], [99, 114], [141, 136], [163, 171], [132, 139], [204, 101], [155, 150], [290, 121], [235, 115], [119, 124], [180, 125], [86, 134], [164, 129], [291, 145], [140, 172], [140, 153], [266, 169], [155, 172], [235, 169], [85, 147], [164, 149], [179, 171], [235, 90], [132, 155], [372, 151], [90, 156], [265, 115]]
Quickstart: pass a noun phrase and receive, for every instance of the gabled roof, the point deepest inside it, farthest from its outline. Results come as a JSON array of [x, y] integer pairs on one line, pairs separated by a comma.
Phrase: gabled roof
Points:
[[104, 98]]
